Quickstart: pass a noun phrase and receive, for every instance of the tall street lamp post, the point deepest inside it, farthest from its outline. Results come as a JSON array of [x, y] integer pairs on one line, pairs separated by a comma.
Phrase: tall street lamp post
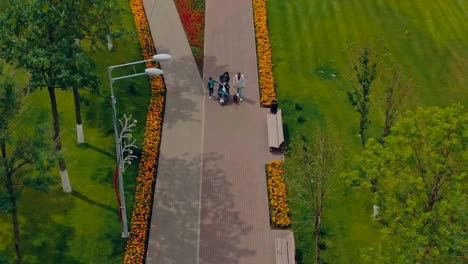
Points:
[[118, 139]]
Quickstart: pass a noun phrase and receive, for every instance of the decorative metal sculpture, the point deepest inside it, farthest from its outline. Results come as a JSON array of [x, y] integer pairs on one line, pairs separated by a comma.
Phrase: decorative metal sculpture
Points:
[[125, 140]]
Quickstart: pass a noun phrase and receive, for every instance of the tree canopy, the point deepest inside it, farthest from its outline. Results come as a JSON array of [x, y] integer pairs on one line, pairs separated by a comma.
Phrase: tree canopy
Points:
[[45, 37], [420, 179]]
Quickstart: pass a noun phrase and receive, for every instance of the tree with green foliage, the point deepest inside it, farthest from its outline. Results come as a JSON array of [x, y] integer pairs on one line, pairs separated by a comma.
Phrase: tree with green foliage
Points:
[[315, 176], [365, 70], [396, 90], [420, 176], [20, 153], [45, 38]]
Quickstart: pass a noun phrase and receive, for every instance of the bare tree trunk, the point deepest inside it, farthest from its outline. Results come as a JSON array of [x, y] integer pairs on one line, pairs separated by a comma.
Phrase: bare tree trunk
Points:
[[58, 146], [14, 210], [14, 214], [79, 125], [318, 220], [363, 137]]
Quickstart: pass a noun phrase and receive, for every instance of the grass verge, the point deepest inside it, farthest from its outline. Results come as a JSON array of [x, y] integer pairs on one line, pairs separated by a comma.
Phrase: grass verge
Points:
[[312, 75]]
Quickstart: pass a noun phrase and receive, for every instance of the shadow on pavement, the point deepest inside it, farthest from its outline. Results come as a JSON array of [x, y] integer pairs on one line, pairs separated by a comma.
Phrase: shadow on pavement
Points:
[[174, 226], [182, 95], [221, 227]]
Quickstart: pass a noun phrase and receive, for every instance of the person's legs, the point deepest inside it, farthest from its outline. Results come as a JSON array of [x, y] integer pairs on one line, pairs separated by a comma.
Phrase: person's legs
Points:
[[210, 91], [240, 91]]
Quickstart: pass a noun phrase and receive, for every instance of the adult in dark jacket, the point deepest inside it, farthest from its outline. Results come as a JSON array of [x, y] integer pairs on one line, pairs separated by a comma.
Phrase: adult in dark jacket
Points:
[[224, 78]]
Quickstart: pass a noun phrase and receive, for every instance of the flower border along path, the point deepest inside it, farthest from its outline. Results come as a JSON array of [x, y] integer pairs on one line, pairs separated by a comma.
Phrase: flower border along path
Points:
[[279, 209], [135, 250], [264, 63]]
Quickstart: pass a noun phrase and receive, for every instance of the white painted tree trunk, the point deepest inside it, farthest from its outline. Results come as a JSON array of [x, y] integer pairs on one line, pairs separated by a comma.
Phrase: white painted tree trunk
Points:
[[376, 211], [65, 181], [79, 132], [109, 43]]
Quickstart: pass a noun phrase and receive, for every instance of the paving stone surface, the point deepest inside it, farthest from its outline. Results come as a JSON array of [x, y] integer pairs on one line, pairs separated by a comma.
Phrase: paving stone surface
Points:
[[210, 204]]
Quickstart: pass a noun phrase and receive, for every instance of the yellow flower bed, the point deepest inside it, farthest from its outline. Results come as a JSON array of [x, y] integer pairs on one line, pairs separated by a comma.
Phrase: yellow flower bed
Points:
[[265, 64], [135, 250], [279, 208], [146, 41]]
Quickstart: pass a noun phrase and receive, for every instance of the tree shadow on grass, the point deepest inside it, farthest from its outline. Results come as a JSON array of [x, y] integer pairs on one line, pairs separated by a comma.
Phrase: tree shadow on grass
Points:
[[93, 202], [45, 239], [92, 147]]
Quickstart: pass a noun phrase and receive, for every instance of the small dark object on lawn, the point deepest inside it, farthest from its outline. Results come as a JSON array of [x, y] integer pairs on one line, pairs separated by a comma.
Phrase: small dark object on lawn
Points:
[[301, 119], [235, 99], [298, 106]]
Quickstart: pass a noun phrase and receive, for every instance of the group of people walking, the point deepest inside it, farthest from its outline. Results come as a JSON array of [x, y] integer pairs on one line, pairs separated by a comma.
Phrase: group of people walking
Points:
[[223, 88]]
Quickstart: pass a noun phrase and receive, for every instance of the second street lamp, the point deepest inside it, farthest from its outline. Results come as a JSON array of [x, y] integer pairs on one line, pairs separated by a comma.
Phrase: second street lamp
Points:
[[118, 139]]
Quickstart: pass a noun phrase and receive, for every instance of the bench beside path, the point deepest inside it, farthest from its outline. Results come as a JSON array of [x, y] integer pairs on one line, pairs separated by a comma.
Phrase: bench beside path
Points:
[[210, 203]]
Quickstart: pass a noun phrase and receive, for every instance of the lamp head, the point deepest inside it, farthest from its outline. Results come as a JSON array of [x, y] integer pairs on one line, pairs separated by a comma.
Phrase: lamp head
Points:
[[153, 71], [161, 57]]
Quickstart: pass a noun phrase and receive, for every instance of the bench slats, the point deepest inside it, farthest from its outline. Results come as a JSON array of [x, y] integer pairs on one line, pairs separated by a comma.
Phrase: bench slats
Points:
[[279, 120], [275, 129], [272, 131], [285, 249]]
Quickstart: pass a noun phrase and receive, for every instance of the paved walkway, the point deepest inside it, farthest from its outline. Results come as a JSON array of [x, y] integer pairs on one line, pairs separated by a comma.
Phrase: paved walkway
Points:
[[174, 232], [210, 202]]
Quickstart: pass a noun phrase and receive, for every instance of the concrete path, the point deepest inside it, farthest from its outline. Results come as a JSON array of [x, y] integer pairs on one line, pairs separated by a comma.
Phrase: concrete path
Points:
[[210, 202], [235, 220], [174, 232]]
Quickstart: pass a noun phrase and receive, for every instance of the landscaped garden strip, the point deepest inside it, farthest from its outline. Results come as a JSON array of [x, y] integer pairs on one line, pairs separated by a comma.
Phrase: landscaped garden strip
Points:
[[192, 16], [135, 250], [265, 64], [279, 208]]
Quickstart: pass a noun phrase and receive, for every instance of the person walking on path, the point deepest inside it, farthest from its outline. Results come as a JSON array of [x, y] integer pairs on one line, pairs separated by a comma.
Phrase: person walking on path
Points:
[[239, 83], [224, 78], [211, 84]]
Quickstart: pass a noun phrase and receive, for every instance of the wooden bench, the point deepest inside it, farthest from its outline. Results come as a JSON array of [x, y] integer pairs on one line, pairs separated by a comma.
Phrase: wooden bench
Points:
[[275, 131], [285, 249]]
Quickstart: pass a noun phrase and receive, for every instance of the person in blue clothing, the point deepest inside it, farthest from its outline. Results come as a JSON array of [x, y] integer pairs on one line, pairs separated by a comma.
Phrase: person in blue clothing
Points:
[[223, 94], [210, 85], [224, 78]]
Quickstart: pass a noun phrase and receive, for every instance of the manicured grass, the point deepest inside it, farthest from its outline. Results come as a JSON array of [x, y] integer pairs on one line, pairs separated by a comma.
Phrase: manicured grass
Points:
[[82, 227], [429, 40]]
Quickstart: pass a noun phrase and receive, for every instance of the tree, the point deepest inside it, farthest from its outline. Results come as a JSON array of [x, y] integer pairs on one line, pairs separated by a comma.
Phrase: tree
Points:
[[80, 75], [421, 187], [396, 90], [44, 37], [17, 154], [365, 70], [316, 168]]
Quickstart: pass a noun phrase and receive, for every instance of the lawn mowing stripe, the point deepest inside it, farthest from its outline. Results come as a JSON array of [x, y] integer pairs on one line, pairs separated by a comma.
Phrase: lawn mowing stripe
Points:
[[332, 37], [293, 30], [315, 33], [452, 16]]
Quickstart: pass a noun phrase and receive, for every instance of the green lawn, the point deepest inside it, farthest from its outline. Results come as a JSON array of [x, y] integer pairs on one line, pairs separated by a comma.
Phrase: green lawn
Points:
[[82, 227], [427, 39]]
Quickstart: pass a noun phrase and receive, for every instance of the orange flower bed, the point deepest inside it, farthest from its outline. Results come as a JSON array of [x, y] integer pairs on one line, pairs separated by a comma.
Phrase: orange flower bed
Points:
[[135, 251], [279, 208], [265, 64], [146, 41]]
